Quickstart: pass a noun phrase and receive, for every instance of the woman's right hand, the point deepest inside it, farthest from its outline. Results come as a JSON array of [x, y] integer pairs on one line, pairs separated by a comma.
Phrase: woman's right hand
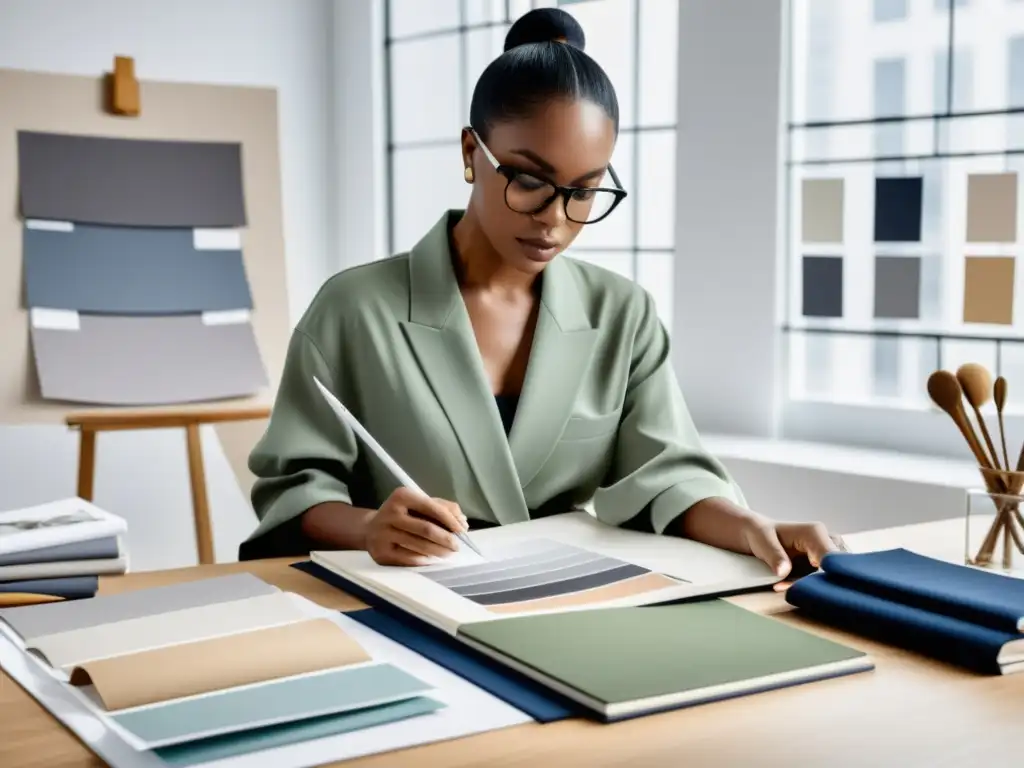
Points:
[[410, 528]]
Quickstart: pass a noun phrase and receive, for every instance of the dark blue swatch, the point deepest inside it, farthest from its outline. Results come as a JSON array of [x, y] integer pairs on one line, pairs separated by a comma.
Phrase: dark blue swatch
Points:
[[968, 594], [958, 642], [898, 209], [822, 286], [517, 690]]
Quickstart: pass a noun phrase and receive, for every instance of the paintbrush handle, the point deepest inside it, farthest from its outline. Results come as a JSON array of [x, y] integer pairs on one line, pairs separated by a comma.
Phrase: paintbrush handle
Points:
[[988, 438]]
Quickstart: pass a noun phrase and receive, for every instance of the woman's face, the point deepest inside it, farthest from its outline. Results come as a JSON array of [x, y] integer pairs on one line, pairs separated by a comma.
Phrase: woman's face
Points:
[[569, 143]]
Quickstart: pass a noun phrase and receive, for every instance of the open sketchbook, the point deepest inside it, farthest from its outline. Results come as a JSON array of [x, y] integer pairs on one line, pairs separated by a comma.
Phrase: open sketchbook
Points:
[[574, 605], [560, 563], [229, 667]]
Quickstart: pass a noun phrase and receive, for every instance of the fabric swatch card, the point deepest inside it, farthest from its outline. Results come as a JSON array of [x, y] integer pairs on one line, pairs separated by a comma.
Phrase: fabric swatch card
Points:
[[284, 734], [193, 668], [66, 650], [130, 182], [130, 270], [823, 286], [279, 701], [898, 209], [139, 360], [897, 287], [988, 289], [34, 621], [822, 210], [992, 208]]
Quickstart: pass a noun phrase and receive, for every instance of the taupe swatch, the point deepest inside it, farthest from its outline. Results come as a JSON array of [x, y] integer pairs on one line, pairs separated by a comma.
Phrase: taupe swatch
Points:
[[190, 669], [988, 289], [133, 182], [822, 207], [126, 360], [992, 208], [650, 582], [65, 650]]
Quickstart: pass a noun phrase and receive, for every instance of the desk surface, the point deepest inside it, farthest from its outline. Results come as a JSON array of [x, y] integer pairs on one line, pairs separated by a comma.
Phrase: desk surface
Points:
[[910, 711]]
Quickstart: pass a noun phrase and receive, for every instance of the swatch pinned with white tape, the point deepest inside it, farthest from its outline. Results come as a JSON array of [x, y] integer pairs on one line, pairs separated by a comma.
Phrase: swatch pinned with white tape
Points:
[[217, 239], [55, 319], [50, 226], [226, 317]]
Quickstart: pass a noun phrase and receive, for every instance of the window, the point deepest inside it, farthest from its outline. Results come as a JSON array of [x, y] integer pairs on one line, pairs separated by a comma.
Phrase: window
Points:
[[904, 155], [434, 54]]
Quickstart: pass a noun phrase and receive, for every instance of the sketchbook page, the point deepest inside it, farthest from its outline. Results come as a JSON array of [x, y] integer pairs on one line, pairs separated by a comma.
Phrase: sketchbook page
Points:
[[58, 522], [705, 567], [68, 649], [32, 621], [189, 669]]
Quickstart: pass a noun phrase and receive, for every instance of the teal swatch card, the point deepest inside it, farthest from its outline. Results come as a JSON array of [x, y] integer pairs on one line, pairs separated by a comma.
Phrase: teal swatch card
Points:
[[244, 742], [273, 703]]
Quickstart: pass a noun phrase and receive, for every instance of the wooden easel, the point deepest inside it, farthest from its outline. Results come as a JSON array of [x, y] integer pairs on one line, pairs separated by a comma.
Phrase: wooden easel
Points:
[[190, 418]]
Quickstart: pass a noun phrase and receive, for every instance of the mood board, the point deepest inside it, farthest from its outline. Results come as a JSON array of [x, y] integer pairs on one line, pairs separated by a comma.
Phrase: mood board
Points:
[[990, 218], [143, 257]]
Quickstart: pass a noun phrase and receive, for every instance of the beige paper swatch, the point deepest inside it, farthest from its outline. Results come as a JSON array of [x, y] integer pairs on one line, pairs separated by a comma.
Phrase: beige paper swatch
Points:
[[66, 650], [190, 669], [822, 207], [639, 585], [988, 289], [992, 208]]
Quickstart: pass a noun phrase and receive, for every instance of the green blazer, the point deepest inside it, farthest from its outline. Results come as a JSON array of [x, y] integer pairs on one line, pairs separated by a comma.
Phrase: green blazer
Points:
[[600, 420]]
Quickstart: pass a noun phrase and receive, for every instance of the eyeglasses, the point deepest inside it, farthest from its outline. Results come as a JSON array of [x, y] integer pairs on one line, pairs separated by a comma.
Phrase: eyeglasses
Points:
[[530, 193]]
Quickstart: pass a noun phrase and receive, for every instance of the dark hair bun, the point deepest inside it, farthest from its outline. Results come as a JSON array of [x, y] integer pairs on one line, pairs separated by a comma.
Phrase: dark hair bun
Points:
[[544, 25]]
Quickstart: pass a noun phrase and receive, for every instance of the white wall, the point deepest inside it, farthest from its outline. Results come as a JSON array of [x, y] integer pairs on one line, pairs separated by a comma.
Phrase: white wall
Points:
[[284, 44]]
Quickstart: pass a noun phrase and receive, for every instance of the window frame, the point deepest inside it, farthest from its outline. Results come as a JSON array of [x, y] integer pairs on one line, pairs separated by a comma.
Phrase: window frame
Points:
[[905, 427], [633, 244]]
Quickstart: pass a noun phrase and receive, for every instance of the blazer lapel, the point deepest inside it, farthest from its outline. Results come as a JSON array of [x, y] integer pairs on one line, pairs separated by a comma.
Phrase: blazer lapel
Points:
[[563, 344], [441, 336]]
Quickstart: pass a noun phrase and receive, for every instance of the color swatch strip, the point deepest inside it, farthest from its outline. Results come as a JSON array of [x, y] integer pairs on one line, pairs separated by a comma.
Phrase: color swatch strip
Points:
[[130, 270], [130, 182], [542, 571], [991, 215], [138, 360]]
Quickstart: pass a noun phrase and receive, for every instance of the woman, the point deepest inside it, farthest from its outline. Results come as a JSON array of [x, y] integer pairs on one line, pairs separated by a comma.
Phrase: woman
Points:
[[509, 381]]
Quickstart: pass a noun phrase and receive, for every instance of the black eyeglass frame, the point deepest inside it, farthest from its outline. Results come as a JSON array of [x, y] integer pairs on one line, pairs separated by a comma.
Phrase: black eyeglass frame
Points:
[[562, 191]]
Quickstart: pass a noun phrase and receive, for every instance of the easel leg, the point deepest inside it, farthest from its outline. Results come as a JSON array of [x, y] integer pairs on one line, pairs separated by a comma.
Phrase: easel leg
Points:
[[200, 504], [86, 463]]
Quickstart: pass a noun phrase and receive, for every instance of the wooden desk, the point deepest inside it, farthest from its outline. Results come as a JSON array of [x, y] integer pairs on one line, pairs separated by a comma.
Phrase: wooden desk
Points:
[[910, 711]]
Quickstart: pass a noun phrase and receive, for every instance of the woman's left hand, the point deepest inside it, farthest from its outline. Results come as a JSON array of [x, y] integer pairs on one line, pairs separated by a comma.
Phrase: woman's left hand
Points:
[[779, 544]]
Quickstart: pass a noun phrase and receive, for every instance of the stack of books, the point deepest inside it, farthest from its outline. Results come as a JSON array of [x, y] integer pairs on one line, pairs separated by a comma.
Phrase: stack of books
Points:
[[58, 551]]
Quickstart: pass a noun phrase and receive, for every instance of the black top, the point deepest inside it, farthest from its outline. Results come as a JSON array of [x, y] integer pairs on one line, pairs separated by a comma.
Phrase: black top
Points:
[[507, 405]]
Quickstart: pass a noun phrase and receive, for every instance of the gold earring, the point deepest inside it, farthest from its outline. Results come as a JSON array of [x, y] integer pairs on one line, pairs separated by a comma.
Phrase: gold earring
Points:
[[468, 174]]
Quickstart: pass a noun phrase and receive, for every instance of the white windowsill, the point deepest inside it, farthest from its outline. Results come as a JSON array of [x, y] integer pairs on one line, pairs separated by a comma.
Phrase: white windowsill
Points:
[[863, 462]]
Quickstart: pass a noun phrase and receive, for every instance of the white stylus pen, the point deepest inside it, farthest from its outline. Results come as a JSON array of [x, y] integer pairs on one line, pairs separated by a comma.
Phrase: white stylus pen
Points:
[[378, 449]]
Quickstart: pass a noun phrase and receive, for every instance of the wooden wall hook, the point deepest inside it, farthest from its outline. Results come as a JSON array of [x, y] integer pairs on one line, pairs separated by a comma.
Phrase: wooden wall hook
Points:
[[123, 88]]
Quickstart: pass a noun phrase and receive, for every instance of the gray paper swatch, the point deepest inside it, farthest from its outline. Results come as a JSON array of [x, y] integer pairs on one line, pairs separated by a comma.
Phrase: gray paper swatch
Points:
[[33, 621], [822, 209], [123, 360], [134, 182], [898, 287], [823, 286], [280, 701], [130, 270], [91, 549]]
